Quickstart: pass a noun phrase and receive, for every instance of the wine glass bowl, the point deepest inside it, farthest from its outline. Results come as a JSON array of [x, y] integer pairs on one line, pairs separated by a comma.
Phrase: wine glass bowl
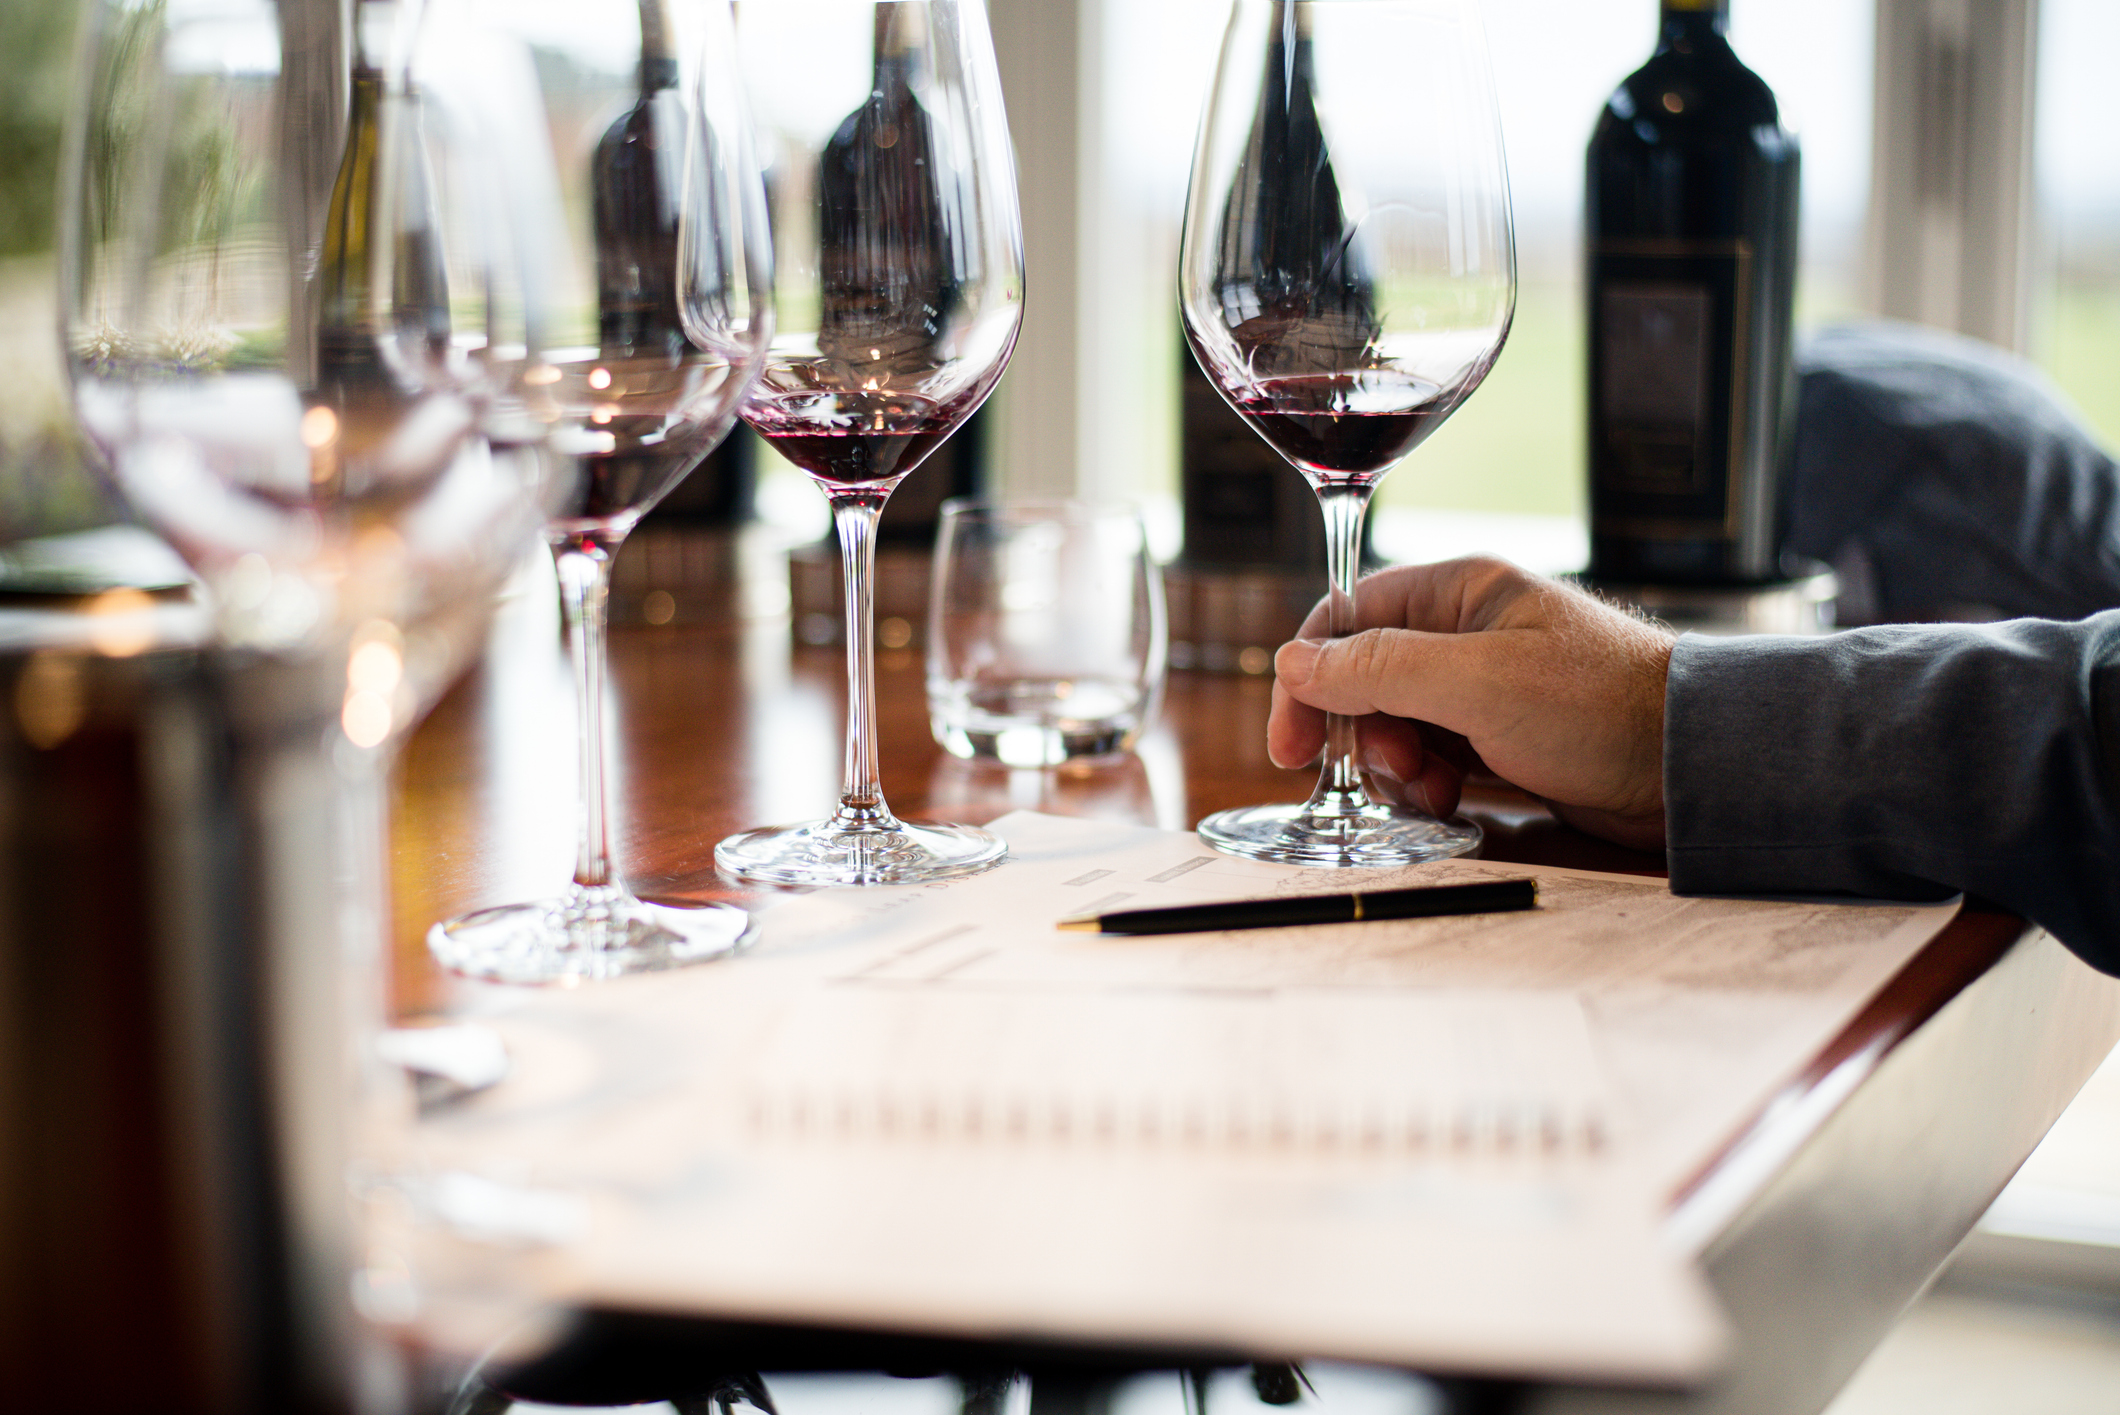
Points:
[[291, 326], [634, 425], [846, 439], [899, 283], [1347, 277]]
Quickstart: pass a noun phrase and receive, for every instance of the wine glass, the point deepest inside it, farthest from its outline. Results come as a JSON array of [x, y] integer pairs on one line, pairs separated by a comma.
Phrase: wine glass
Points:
[[899, 268], [660, 319], [298, 310], [1347, 277], [294, 318]]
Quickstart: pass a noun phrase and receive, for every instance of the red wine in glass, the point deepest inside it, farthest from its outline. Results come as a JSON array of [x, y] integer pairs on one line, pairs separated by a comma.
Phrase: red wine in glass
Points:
[[1346, 294], [635, 423], [857, 438], [901, 290], [1341, 427]]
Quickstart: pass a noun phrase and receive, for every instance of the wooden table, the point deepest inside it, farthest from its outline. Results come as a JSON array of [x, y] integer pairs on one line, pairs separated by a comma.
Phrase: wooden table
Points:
[[1816, 1227]]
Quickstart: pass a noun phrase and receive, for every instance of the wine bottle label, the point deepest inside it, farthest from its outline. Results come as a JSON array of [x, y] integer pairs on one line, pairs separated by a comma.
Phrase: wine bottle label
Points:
[[1669, 326]]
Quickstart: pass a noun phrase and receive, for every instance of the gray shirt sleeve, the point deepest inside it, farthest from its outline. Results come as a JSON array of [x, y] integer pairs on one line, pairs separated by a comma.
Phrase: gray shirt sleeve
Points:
[[1906, 762]]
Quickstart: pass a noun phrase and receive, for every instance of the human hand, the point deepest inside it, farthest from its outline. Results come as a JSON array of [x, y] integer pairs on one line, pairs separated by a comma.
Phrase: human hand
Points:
[[1476, 662]]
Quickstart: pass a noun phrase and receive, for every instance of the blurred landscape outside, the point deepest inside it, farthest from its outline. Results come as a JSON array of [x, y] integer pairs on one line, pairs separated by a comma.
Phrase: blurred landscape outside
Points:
[[43, 486], [2076, 333], [1514, 450]]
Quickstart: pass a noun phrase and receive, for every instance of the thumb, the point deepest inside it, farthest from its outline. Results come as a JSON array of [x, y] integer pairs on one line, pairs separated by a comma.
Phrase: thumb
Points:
[[1403, 672]]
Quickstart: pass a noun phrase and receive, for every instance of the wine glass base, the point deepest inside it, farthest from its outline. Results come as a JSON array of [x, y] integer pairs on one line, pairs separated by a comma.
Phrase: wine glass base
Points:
[[1375, 837], [587, 935], [826, 853]]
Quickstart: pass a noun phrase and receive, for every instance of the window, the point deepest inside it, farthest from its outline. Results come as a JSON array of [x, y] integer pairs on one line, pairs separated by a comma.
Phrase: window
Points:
[[2076, 333], [1506, 472]]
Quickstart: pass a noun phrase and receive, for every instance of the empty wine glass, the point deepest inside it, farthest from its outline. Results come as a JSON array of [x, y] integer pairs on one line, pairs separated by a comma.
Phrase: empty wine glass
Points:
[[297, 313], [660, 320], [294, 316], [1347, 278], [899, 267]]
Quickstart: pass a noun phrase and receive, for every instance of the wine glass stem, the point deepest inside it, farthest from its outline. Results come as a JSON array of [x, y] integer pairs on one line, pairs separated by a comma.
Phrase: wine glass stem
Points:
[[1345, 506], [584, 565], [861, 804]]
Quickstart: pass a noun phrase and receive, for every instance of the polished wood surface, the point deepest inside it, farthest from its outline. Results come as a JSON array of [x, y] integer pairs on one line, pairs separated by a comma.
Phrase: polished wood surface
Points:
[[721, 726]]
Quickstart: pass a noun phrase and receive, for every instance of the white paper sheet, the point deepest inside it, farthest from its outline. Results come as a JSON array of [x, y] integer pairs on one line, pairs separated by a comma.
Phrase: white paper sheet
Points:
[[1443, 1142]]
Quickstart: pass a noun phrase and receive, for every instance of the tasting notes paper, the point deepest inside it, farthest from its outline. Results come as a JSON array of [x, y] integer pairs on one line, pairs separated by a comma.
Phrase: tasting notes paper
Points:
[[1443, 1142]]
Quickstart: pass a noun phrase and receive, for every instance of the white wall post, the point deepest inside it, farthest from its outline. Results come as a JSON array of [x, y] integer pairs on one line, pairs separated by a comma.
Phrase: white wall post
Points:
[[1049, 54], [1950, 229]]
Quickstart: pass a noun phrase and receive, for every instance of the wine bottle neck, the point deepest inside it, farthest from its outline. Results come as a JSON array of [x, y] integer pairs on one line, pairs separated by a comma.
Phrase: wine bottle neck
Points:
[[1288, 56], [1687, 20], [899, 55], [897, 40], [658, 52]]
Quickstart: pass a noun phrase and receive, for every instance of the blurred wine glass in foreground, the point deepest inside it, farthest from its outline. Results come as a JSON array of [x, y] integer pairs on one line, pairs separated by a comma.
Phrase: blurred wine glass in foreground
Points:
[[300, 306], [1347, 277], [292, 322], [899, 267], [660, 320]]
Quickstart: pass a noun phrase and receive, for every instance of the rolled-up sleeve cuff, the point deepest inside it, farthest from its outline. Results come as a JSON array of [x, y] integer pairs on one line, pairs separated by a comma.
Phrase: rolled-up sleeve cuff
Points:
[[1903, 762], [1762, 769]]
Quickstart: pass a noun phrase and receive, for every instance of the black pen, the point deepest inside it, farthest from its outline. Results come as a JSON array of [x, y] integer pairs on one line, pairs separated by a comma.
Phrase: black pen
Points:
[[1485, 897]]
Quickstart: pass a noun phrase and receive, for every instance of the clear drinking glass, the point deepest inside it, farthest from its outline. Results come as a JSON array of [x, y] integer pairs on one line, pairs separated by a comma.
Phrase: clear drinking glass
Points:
[[660, 317], [1347, 277], [899, 264], [1046, 634]]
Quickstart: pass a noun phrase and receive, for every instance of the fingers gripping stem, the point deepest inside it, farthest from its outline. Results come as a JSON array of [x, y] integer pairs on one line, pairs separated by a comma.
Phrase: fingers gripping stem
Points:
[[1345, 507]]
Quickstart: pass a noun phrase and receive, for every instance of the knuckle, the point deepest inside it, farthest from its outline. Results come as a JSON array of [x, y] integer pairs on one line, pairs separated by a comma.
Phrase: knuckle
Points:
[[1489, 574], [1368, 655], [1494, 591]]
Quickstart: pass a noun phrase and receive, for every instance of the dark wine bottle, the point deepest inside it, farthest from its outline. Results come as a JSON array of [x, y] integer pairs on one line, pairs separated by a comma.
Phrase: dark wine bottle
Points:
[[956, 468], [889, 273], [635, 187], [1690, 225], [1244, 506], [1300, 298], [635, 183], [345, 316], [888, 265]]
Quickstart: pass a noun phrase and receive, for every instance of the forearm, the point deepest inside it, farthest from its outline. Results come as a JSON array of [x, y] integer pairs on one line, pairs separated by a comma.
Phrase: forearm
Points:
[[1905, 762]]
